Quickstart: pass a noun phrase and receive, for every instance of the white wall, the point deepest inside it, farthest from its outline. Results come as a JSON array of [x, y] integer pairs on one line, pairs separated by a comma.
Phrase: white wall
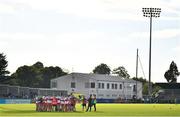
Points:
[[64, 83], [125, 93]]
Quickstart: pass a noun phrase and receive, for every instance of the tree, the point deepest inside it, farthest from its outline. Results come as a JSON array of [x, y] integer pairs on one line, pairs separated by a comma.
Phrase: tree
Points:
[[38, 65], [35, 75], [26, 76], [145, 83], [140, 80], [49, 73], [3, 71], [172, 74], [3, 65], [121, 71], [102, 69]]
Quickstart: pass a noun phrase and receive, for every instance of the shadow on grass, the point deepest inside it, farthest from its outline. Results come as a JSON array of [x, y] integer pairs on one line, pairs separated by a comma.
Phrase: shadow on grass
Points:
[[32, 111], [35, 113]]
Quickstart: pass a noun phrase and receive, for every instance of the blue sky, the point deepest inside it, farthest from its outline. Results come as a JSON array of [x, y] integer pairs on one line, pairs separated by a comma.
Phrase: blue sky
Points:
[[81, 34]]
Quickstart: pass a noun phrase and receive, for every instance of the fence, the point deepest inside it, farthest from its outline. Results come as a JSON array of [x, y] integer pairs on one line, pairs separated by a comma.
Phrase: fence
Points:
[[15, 92]]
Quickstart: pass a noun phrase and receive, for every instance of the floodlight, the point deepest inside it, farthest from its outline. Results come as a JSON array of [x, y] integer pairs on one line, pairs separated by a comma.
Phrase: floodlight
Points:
[[150, 12]]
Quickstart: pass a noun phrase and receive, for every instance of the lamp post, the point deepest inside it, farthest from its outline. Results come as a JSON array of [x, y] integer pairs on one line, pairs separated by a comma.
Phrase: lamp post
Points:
[[137, 74], [150, 12]]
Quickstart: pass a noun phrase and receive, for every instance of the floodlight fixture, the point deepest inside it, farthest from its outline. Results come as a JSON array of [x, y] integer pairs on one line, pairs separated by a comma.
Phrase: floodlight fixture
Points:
[[151, 12]]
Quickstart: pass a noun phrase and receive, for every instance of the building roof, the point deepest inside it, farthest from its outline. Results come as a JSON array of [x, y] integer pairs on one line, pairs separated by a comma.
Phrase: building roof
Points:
[[169, 85], [98, 77]]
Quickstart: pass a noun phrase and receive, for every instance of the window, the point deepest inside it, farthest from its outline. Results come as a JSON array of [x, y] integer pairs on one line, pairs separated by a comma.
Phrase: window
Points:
[[134, 88], [92, 84], [107, 85], [99, 85], [112, 86], [101, 95], [73, 85], [86, 85], [114, 95], [115, 86], [102, 85], [54, 84], [107, 95], [120, 86]]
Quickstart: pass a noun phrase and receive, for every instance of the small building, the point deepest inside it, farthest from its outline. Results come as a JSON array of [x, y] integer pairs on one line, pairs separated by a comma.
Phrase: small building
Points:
[[103, 86]]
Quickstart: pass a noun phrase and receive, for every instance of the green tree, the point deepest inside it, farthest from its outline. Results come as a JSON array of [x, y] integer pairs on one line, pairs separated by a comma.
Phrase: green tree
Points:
[[121, 71], [145, 84], [172, 74], [155, 90], [145, 89], [35, 75], [140, 80], [49, 73], [26, 76], [3, 66], [38, 65], [102, 69]]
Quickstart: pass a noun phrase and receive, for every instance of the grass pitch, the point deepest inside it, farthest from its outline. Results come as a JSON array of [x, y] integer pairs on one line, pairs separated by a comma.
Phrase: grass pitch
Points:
[[102, 110]]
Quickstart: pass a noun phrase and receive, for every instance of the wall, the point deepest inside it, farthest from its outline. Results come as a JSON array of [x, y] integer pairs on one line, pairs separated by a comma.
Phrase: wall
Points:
[[15, 101]]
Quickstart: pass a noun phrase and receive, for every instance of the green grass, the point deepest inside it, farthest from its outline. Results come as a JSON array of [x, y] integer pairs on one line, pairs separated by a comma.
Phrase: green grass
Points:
[[102, 110]]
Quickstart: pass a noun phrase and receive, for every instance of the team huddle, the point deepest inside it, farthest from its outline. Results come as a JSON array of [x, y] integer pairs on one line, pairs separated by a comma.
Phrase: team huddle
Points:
[[64, 104], [49, 104]]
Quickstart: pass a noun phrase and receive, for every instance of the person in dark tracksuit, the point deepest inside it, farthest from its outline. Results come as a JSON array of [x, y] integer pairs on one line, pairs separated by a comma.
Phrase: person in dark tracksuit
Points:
[[94, 102], [89, 103], [84, 101]]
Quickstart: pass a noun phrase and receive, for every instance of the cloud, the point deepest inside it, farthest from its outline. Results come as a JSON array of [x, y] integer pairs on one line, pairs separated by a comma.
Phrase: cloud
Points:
[[82, 48], [6, 9], [177, 49], [99, 9], [52, 41]]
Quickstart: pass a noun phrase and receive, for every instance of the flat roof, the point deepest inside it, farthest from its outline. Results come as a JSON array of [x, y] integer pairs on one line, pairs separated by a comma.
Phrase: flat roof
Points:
[[169, 85], [98, 77]]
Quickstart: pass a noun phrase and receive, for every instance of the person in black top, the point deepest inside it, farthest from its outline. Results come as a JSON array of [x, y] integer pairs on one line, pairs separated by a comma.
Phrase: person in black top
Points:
[[94, 102], [84, 101], [89, 103]]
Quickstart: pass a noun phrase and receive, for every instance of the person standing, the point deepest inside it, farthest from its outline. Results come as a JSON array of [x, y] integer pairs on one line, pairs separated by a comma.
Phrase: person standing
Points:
[[54, 103], [84, 101], [89, 104], [94, 102]]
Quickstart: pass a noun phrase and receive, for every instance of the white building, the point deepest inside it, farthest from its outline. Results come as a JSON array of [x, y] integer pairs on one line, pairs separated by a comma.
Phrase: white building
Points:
[[103, 86]]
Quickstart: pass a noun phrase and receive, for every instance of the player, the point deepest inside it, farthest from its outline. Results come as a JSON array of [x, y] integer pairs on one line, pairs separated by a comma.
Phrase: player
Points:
[[89, 104], [94, 102], [54, 103], [84, 102]]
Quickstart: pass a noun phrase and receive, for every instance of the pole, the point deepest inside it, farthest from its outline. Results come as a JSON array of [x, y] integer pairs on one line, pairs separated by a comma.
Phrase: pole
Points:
[[136, 73], [150, 88], [150, 12]]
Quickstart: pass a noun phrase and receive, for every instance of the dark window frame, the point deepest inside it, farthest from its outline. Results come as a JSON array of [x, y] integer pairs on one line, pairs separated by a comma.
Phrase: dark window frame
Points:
[[115, 86], [73, 85], [92, 85], [107, 86], [120, 86], [99, 85], [102, 84], [112, 86]]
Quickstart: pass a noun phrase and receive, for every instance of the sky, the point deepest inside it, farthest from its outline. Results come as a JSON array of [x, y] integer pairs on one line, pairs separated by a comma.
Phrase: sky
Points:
[[78, 35]]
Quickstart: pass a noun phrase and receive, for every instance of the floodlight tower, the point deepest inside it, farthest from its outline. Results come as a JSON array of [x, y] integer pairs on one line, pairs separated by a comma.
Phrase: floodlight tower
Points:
[[150, 12]]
